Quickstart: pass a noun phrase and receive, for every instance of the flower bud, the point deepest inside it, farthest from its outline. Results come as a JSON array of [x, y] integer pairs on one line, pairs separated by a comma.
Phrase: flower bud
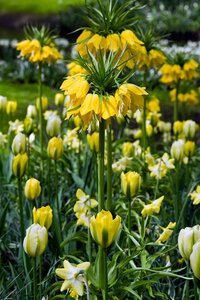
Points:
[[189, 148], [127, 149], [55, 148], [130, 183], [149, 129], [189, 129], [32, 189], [104, 228], [19, 144], [59, 99], [35, 241], [28, 125], [177, 150], [11, 107], [93, 141], [19, 164], [186, 239], [43, 216], [53, 125], [31, 111], [177, 127], [44, 103], [77, 121], [3, 103], [195, 259]]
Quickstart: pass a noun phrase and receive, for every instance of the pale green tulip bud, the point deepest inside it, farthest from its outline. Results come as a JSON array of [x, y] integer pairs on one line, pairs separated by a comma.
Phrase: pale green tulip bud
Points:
[[19, 164], [53, 125], [32, 189], [19, 144], [55, 148], [130, 183], [195, 259], [35, 241], [177, 150], [189, 129], [28, 125], [3, 103], [186, 239], [31, 111]]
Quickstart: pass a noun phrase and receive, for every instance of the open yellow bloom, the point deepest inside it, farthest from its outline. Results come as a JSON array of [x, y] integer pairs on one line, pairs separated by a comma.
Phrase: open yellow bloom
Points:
[[195, 196], [167, 232], [152, 208], [73, 277], [104, 228]]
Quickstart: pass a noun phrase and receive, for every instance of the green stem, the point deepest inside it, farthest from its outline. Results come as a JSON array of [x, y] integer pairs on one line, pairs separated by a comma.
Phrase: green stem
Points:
[[103, 273], [34, 279], [176, 102], [129, 224], [101, 166], [195, 288], [109, 168], [187, 282], [57, 202], [48, 180], [21, 212], [40, 114], [40, 277], [177, 194], [89, 246], [144, 131]]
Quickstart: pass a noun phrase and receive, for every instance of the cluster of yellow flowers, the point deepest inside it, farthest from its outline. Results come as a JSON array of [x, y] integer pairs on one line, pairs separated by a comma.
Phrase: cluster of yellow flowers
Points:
[[174, 73], [86, 103], [135, 53], [36, 52], [189, 97]]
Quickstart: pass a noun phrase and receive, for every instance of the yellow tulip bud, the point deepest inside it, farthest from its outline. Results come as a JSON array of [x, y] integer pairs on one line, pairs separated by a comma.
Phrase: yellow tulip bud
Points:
[[19, 164], [195, 259], [32, 189], [55, 148], [19, 143], [104, 228], [93, 141], [28, 125], [43, 216], [35, 241], [130, 183], [128, 149], [149, 129], [189, 148], [44, 103], [59, 99], [11, 107], [186, 239], [177, 127]]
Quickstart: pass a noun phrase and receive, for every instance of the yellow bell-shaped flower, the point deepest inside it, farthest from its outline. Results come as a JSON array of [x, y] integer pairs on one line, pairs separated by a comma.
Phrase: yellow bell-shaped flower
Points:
[[104, 228], [43, 216], [93, 141]]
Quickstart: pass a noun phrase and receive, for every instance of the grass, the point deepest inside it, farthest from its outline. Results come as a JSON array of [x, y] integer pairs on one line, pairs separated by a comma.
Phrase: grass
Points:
[[37, 6], [25, 94]]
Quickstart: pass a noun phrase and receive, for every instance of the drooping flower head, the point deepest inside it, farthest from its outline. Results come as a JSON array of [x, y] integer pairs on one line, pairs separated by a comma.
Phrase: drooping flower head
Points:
[[39, 46]]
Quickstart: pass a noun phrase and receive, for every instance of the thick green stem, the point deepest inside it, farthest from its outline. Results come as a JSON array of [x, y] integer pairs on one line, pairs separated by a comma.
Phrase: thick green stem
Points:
[[196, 296], [144, 131], [103, 273], [101, 166], [187, 292], [177, 194], [109, 168], [89, 246], [34, 279], [40, 114], [21, 212], [40, 277], [57, 203], [129, 224], [176, 102]]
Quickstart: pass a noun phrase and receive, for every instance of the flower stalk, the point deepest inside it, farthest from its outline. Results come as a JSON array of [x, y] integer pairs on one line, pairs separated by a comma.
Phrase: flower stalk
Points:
[[22, 228], [40, 113], [100, 158], [109, 167]]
